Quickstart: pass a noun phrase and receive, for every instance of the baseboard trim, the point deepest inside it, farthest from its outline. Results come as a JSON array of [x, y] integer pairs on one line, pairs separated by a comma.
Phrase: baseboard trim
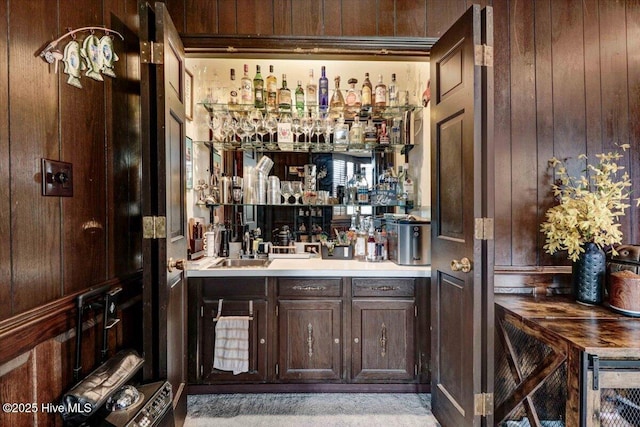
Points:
[[307, 388]]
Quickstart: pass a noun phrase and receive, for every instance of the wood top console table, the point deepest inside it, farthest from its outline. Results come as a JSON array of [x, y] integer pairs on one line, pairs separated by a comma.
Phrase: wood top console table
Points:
[[560, 360]]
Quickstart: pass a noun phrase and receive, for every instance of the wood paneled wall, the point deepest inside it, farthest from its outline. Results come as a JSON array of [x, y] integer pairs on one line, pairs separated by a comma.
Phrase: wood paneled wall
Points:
[[54, 248]]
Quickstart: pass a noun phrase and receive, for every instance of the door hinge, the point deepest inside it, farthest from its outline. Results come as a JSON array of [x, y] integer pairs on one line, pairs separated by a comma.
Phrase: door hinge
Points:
[[483, 404], [483, 55], [154, 227], [483, 229], [151, 53]]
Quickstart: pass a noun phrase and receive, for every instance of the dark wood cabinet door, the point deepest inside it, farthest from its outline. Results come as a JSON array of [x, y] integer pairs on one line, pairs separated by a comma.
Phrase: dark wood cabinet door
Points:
[[383, 340], [257, 340], [310, 340]]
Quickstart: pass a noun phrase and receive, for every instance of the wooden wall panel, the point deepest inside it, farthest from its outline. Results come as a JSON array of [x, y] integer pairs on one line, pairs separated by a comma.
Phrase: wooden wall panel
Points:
[[82, 143], [16, 386], [282, 17], [523, 136], [544, 120], [228, 17], [306, 18], [441, 14], [201, 17], [387, 17], [5, 171], [411, 18], [633, 91], [502, 132], [255, 17], [614, 80], [332, 17], [359, 18], [176, 9], [34, 128]]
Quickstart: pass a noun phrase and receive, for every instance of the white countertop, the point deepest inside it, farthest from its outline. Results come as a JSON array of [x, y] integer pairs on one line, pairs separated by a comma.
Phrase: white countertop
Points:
[[309, 267]]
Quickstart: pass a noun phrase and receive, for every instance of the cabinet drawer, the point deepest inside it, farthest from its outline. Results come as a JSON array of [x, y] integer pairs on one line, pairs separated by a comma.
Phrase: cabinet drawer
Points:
[[310, 287], [234, 287], [383, 287]]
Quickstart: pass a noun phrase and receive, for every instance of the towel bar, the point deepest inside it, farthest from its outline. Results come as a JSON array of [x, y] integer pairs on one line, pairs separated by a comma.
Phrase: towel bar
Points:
[[220, 310]]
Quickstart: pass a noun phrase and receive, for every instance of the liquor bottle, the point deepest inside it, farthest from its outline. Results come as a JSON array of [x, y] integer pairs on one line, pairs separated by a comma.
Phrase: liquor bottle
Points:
[[258, 89], [393, 91], [384, 138], [233, 89], [246, 87], [370, 135], [367, 90], [371, 242], [284, 96], [272, 90], [312, 92], [336, 106], [356, 135], [400, 196], [323, 92], [300, 99], [360, 248], [363, 188], [380, 93], [341, 135], [353, 100], [408, 188]]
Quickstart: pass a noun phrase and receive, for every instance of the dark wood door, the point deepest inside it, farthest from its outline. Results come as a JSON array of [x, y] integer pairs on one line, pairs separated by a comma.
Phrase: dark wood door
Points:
[[257, 340], [462, 201], [310, 340], [383, 340], [165, 243]]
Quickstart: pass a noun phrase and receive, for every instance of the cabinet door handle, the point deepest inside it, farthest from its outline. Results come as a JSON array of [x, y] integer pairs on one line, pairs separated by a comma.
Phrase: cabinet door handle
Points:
[[262, 341], [310, 339], [383, 340], [309, 288], [384, 288]]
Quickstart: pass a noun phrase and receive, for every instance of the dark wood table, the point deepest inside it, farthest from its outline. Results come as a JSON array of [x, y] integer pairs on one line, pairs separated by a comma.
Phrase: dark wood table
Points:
[[578, 336]]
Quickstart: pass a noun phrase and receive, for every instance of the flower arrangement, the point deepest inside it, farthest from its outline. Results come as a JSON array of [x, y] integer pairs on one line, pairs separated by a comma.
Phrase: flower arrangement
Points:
[[589, 206]]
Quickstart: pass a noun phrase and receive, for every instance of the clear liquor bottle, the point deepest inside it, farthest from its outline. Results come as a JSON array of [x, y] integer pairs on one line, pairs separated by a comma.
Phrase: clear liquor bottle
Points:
[[284, 96], [323, 92], [353, 100], [258, 89], [408, 188], [300, 99], [311, 92], [380, 93], [272, 90], [341, 135], [370, 135], [356, 135], [393, 91], [233, 89], [336, 106], [246, 87], [363, 188]]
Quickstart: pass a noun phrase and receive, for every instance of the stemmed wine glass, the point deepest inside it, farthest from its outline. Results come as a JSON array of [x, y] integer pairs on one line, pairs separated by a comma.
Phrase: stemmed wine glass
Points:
[[246, 126], [257, 120], [318, 129], [271, 126], [296, 187], [329, 126], [287, 190], [307, 125], [296, 128]]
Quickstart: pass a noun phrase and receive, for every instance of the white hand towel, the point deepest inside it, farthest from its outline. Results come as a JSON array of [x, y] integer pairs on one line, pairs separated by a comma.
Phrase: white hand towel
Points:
[[231, 351]]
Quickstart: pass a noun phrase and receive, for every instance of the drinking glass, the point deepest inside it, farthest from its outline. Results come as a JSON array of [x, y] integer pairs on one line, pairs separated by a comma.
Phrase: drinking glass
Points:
[[271, 125], [296, 187], [287, 190], [329, 126], [307, 125], [236, 185], [296, 128], [318, 130]]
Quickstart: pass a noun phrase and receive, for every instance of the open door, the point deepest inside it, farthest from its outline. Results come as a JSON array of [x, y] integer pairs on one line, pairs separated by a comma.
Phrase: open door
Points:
[[164, 216], [462, 222]]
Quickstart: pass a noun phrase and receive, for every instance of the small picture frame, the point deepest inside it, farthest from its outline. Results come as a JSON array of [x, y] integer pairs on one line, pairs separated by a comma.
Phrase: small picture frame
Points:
[[188, 94], [312, 248], [188, 163]]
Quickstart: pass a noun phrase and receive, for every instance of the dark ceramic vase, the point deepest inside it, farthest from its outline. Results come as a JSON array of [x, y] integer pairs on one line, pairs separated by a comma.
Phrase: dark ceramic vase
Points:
[[588, 275]]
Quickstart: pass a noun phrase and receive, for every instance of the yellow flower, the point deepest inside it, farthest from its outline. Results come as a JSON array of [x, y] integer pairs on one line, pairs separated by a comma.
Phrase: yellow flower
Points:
[[589, 206]]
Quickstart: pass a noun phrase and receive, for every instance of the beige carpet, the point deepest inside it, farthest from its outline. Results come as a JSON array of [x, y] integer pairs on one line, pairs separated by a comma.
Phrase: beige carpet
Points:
[[313, 409]]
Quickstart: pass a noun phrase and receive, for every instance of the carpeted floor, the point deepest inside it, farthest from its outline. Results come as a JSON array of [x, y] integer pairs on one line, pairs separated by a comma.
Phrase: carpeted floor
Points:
[[313, 409]]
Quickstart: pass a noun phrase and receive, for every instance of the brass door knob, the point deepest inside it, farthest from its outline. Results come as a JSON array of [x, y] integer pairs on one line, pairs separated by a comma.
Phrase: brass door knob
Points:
[[463, 265], [177, 264]]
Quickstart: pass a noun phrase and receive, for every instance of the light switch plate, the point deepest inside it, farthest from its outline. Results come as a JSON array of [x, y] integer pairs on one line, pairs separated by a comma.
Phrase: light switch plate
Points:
[[57, 178]]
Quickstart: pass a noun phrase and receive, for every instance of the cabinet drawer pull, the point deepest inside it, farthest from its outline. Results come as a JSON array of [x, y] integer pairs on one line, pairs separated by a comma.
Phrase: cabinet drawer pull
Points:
[[310, 339], [383, 340], [384, 288], [309, 288], [356, 340]]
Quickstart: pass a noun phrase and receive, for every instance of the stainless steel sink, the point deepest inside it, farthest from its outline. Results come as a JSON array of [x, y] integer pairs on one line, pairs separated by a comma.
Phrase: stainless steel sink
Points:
[[236, 263]]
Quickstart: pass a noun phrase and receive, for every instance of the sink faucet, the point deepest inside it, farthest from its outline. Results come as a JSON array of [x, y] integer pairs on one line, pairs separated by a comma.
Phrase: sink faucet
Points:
[[248, 244]]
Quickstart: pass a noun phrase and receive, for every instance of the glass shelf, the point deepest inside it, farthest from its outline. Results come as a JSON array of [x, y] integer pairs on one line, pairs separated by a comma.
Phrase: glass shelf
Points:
[[299, 205], [375, 112], [313, 147]]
